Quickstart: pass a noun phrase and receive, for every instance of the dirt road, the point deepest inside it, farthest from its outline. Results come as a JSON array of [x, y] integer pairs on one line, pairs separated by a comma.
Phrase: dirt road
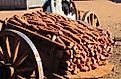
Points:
[[109, 14]]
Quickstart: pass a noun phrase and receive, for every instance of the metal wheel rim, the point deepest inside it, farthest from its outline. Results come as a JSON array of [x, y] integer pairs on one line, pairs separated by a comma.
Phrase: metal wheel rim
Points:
[[16, 62]]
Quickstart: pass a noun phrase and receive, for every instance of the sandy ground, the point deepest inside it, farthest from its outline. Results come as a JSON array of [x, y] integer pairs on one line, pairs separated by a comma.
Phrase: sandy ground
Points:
[[109, 14]]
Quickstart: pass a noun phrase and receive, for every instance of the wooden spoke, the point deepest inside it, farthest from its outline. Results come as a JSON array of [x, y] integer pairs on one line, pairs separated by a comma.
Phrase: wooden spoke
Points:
[[8, 47], [14, 45], [13, 76], [89, 19], [5, 50], [33, 75], [2, 63], [25, 69], [16, 52], [20, 77], [92, 20], [21, 59], [1, 54], [2, 57], [1, 51], [95, 21], [12, 71], [93, 16]]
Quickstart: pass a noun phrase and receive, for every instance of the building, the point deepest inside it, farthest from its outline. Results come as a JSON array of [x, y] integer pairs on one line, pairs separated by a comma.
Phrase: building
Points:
[[20, 4]]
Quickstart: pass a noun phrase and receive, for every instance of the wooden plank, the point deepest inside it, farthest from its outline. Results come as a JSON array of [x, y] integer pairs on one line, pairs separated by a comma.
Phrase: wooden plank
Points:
[[35, 34]]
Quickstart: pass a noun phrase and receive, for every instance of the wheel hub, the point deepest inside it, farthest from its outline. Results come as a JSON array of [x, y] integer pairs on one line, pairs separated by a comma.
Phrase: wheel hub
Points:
[[8, 66]]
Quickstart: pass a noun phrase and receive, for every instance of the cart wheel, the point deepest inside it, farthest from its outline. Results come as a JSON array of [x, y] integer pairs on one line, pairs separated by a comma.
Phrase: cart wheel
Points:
[[91, 18], [19, 58]]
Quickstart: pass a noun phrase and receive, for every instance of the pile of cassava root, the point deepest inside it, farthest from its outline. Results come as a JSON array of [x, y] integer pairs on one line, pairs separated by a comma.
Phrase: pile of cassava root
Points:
[[85, 47]]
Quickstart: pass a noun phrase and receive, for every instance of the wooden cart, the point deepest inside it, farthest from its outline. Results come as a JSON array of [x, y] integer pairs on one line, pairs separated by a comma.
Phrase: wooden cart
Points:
[[25, 54]]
